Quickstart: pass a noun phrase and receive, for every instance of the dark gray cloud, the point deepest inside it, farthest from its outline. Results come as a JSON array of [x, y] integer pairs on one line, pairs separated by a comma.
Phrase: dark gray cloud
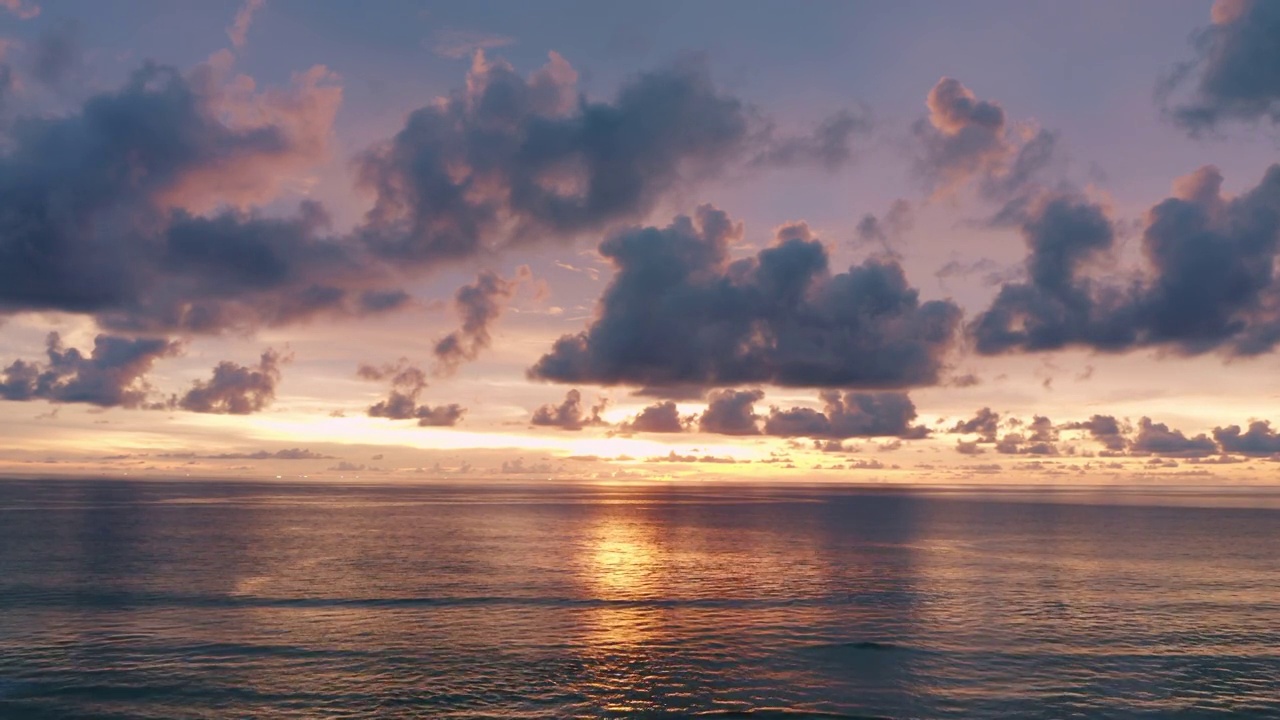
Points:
[[1157, 439], [680, 313], [1039, 438], [235, 389], [1210, 285], [133, 208], [1105, 429], [849, 414], [731, 412], [1018, 444], [112, 375], [478, 304], [516, 158], [985, 422], [97, 210], [1260, 440], [571, 414], [1235, 74], [407, 383], [662, 417]]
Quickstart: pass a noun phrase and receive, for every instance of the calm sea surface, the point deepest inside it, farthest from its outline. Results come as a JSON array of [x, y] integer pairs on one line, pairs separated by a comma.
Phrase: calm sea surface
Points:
[[239, 599]]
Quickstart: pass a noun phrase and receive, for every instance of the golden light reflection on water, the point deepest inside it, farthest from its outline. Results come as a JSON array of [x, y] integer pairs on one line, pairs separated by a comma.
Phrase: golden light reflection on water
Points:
[[622, 560]]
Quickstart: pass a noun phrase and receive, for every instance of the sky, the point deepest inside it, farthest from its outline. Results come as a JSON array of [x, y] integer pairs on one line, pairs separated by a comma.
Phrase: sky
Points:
[[872, 242]]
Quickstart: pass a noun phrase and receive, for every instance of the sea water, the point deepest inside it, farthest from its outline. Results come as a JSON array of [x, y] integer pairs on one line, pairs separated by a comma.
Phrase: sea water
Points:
[[495, 600]]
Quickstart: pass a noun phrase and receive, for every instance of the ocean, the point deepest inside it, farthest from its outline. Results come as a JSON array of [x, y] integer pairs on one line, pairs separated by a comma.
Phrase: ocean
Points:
[[218, 599]]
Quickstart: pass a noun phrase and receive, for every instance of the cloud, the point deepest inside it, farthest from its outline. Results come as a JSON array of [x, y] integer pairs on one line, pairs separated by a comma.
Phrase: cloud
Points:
[[236, 389], [23, 9], [238, 31], [407, 383], [58, 52], [847, 415], [1233, 75], [985, 422], [1260, 440], [888, 230], [568, 415], [1157, 439], [969, 448], [1105, 429], [455, 44], [662, 417], [828, 145], [522, 159], [680, 313], [1210, 284], [288, 454], [345, 466], [99, 208], [675, 457], [517, 467], [478, 304], [1019, 444], [966, 140], [143, 208], [731, 412], [112, 375]]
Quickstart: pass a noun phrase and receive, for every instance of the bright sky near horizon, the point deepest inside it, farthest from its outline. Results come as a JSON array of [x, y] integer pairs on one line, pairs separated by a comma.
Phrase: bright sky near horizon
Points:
[[915, 241]]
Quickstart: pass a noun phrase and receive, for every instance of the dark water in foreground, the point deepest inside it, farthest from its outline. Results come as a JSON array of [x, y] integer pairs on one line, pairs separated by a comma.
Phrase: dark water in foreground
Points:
[[230, 600]]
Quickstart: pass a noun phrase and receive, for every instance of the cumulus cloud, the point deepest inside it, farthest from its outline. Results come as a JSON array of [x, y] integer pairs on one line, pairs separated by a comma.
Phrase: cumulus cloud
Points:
[[680, 313], [1235, 74], [111, 375], [478, 304], [407, 383], [99, 209], [849, 414], [1105, 429], [1020, 444], [966, 140], [662, 417], [731, 412], [1260, 440], [1157, 439], [985, 422], [1210, 282], [235, 389], [516, 158], [571, 414], [143, 207]]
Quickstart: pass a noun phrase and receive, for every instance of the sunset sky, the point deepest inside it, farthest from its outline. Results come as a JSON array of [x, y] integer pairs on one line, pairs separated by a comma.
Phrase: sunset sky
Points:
[[863, 242]]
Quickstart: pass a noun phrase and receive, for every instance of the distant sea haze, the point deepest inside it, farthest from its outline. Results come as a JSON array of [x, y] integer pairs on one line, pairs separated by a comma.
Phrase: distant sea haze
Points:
[[291, 600]]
